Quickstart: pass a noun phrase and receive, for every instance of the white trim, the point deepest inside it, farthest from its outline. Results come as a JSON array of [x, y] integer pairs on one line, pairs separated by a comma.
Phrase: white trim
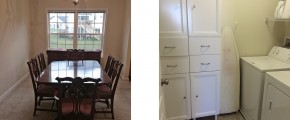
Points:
[[11, 89]]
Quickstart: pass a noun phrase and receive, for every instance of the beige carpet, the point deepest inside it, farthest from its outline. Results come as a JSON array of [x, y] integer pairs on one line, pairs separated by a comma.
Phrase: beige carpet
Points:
[[19, 105]]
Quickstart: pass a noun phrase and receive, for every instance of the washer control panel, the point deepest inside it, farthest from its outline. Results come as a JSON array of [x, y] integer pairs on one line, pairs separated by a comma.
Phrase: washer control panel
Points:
[[280, 53]]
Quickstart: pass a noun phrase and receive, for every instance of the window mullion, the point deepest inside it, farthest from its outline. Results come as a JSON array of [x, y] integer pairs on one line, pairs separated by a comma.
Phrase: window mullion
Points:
[[75, 42]]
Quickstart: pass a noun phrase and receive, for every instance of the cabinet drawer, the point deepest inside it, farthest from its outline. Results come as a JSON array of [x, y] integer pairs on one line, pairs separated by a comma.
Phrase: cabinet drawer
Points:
[[173, 46], [171, 65], [204, 63], [204, 45]]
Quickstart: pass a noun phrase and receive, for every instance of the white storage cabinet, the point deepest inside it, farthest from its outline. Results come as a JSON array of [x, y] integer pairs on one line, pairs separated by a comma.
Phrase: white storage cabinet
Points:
[[190, 57]]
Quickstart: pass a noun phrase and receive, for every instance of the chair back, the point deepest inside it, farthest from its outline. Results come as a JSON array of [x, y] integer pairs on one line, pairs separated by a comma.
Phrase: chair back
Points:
[[41, 67], [108, 63], [111, 67], [76, 98], [43, 61], [39, 61], [35, 68], [34, 72], [116, 71], [75, 54]]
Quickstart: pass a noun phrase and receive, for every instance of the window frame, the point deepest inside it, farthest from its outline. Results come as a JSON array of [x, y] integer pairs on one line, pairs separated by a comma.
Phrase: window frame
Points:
[[76, 12]]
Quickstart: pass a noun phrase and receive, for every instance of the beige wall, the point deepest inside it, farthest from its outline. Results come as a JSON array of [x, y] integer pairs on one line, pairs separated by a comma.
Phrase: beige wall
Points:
[[253, 36], [228, 12], [116, 32], [126, 46], [14, 42]]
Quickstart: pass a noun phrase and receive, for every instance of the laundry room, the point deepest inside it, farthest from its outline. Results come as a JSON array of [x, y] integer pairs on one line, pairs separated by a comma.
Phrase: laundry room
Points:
[[224, 59], [260, 26]]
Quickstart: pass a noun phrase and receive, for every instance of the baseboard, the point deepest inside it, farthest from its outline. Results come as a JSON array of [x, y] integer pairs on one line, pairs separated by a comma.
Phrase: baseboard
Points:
[[242, 113], [124, 78], [11, 89]]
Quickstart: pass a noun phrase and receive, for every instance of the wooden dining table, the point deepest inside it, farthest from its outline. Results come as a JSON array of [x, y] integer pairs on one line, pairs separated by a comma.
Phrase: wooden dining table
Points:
[[82, 68]]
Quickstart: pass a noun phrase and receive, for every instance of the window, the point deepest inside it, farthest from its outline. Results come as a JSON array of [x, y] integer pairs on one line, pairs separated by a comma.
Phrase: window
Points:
[[76, 29]]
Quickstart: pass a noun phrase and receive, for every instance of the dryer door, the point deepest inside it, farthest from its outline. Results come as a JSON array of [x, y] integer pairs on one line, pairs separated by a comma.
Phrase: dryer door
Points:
[[277, 104]]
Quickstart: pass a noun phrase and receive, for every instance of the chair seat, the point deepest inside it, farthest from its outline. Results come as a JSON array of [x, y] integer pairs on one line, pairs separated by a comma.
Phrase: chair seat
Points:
[[85, 106], [103, 92], [46, 90]]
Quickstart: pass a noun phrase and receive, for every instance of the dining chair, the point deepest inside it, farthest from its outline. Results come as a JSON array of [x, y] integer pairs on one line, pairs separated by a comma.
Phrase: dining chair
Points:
[[108, 63], [110, 72], [41, 91], [76, 98], [106, 92]]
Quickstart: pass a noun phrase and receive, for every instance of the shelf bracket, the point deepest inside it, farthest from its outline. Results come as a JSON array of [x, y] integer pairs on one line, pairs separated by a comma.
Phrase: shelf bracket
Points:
[[266, 20]]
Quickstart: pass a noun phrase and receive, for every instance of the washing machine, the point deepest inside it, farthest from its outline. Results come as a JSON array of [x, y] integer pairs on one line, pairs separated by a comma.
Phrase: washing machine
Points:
[[276, 98], [253, 71]]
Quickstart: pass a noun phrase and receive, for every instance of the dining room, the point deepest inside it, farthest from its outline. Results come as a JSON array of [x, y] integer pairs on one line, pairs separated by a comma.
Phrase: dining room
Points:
[[49, 31]]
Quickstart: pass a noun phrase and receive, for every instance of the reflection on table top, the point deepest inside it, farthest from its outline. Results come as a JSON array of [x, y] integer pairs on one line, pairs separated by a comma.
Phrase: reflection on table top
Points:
[[85, 68]]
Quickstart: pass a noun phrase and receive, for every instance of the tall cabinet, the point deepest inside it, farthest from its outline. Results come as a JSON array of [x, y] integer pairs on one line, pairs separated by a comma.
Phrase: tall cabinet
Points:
[[204, 51], [190, 57], [174, 59]]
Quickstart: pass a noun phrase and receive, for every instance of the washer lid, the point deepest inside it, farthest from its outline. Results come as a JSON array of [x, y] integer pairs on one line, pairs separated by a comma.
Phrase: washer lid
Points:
[[266, 63], [281, 76]]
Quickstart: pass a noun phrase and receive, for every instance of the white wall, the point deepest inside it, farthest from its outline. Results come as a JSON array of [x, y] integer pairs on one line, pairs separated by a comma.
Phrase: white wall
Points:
[[14, 42]]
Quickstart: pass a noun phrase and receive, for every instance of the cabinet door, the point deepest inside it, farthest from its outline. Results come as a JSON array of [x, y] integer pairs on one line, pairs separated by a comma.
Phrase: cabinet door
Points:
[[204, 93], [277, 104], [177, 97], [203, 17], [172, 18]]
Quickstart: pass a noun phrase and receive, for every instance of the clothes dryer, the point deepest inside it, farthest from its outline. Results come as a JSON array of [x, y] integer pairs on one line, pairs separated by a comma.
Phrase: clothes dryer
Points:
[[253, 71], [276, 98]]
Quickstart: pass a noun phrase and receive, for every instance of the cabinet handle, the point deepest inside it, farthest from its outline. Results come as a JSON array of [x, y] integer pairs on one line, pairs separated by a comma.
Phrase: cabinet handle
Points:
[[184, 97], [204, 63], [196, 96], [169, 47], [205, 46], [193, 6], [171, 65], [164, 82], [270, 105]]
